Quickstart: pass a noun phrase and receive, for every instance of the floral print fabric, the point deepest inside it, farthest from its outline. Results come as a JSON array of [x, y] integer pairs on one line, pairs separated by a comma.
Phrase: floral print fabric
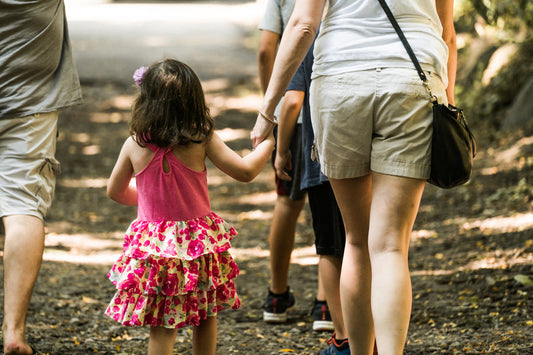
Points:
[[174, 273]]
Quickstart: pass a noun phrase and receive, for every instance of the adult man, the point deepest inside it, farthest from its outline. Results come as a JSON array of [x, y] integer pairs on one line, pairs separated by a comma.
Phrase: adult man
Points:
[[290, 198], [37, 78]]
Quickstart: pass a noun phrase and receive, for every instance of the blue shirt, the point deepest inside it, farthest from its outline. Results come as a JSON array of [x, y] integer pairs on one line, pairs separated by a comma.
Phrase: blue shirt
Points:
[[311, 175]]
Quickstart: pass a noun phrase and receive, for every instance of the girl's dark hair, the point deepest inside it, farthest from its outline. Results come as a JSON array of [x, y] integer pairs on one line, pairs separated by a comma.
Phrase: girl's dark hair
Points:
[[170, 108]]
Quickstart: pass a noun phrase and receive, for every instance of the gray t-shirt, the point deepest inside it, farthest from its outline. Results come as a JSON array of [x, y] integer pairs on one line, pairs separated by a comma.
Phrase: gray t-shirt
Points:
[[277, 14], [37, 72], [275, 19]]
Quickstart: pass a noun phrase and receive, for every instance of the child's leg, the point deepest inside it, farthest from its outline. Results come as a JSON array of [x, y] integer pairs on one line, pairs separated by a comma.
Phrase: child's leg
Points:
[[204, 337], [161, 340]]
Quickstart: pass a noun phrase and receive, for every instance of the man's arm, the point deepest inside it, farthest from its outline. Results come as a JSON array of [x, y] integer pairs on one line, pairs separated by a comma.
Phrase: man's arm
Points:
[[288, 117], [266, 54]]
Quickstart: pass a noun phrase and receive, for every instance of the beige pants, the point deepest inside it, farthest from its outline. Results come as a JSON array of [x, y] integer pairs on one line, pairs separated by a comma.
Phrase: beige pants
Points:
[[374, 120], [27, 164]]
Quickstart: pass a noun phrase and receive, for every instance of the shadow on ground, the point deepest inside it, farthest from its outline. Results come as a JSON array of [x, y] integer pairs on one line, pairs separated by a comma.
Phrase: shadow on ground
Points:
[[469, 246]]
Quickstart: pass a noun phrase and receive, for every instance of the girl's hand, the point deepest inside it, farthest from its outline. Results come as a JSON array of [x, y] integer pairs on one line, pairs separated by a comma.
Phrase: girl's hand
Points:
[[283, 163], [261, 130]]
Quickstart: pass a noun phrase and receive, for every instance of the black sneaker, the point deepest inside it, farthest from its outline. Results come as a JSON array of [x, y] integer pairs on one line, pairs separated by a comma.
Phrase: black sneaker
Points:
[[275, 306], [321, 317]]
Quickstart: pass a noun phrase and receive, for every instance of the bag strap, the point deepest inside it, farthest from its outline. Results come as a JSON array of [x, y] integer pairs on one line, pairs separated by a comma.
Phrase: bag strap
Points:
[[409, 50]]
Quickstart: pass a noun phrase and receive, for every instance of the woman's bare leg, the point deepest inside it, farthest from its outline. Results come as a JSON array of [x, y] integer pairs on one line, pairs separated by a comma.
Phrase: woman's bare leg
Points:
[[354, 197], [395, 204]]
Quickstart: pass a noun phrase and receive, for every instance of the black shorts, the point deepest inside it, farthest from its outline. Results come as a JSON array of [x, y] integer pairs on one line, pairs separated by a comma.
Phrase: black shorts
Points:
[[327, 221], [292, 188]]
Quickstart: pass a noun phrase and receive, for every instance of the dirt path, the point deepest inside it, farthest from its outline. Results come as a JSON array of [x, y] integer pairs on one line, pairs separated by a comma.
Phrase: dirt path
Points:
[[469, 247]]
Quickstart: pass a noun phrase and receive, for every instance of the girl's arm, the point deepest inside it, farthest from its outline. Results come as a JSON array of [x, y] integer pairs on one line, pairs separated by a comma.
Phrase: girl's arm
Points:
[[119, 187], [242, 169], [295, 42], [288, 117], [445, 11]]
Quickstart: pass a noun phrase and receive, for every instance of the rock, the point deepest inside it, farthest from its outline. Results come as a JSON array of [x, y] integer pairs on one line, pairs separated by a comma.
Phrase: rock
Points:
[[521, 111]]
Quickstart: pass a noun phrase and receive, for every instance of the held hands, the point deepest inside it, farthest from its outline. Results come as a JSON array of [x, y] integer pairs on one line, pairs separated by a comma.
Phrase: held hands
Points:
[[261, 130]]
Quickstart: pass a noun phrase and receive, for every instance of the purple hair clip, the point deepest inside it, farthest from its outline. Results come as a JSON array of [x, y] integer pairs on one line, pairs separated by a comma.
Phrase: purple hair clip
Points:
[[139, 74]]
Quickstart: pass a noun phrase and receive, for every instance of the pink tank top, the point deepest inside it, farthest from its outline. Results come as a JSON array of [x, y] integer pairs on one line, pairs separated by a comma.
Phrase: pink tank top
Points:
[[177, 195]]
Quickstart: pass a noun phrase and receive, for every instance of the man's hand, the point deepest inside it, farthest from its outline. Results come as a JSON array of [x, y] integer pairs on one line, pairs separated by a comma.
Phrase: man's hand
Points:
[[282, 164]]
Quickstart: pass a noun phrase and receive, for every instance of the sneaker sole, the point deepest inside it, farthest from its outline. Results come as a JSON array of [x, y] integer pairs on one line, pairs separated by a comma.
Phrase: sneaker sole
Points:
[[274, 317], [323, 325]]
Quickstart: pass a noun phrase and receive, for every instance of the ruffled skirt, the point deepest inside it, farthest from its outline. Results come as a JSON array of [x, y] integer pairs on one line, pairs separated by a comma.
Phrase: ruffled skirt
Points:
[[174, 273]]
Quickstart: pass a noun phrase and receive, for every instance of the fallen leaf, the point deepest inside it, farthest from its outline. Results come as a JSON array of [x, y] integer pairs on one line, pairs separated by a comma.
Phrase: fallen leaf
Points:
[[523, 279]]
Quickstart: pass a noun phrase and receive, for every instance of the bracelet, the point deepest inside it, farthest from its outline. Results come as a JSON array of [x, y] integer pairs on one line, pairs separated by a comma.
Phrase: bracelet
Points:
[[273, 121]]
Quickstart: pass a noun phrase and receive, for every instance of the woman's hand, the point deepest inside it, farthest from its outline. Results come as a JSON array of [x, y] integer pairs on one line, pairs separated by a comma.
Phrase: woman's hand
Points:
[[261, 130]]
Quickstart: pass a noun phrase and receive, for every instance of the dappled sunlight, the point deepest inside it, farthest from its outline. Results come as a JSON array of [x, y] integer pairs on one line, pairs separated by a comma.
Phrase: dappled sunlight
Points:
[[256, 198], [423, 234], [102, 248], [216, 177], [113, 117], [511, 154], [229, 134], [105, 248], [493, 170], [213, 85], [256, 215], [220, 103], [249, 102], [249, 253], [218, 99], [83, 182], [426, 208], [120, 102], [502, 224], [91, 150], [79, 137], [503, 160], [432, 272], [300, 256], [499, 259], [501, 255]]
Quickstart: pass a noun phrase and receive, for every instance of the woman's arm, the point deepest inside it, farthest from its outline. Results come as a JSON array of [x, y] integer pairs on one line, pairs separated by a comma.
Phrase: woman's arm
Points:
[[242, 169], [288, 117], [296, 41], [119, 187], [445, 11]]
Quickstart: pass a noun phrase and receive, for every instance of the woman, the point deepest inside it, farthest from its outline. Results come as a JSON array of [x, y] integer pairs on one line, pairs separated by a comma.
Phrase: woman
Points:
[[372, 122]]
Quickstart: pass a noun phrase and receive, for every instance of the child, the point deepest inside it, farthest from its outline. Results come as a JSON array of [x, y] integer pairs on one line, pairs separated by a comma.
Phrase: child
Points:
[[176, 269]]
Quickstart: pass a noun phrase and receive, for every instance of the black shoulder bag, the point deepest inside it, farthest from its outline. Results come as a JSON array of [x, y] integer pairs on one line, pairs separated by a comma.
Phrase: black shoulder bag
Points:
[[453, 144]]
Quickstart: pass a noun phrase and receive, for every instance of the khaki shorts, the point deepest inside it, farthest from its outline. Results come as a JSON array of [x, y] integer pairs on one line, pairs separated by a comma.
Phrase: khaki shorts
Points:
[[28, 165], [374, 120]]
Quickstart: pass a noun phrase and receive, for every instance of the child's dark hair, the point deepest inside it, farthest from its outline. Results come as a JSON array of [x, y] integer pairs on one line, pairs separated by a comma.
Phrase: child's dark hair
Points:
[[170, 108]]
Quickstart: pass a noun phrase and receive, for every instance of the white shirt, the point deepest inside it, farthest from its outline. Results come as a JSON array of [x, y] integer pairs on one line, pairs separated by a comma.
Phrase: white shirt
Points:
[[357, 35]]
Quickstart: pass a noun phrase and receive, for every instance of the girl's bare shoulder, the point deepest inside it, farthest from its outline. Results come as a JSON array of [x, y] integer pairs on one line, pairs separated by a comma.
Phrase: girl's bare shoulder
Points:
[[139, 156]]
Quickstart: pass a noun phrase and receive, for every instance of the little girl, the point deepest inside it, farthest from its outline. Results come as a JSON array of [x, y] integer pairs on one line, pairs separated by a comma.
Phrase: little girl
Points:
[[176, 269]]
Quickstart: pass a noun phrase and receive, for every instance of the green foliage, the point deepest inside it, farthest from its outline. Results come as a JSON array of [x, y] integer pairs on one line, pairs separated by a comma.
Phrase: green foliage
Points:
[[493, 23], [507, 15], [487, 102]]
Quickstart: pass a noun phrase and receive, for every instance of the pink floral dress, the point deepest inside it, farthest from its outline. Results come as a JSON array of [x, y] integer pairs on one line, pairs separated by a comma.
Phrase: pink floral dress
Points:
[[175, 268]]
